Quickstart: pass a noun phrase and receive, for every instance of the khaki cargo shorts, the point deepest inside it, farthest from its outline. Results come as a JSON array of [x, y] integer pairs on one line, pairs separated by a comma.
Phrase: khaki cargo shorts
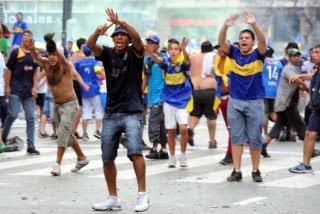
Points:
[[64, 115]]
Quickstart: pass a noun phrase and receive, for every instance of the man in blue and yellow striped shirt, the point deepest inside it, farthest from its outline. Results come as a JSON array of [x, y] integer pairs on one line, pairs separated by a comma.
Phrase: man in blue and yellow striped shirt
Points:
[[246, 108]]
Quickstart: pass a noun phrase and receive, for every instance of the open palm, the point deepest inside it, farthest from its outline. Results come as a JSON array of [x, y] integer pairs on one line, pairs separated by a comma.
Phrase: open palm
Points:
[[230, 21], [113, 17], [249, 17], [184, 43]]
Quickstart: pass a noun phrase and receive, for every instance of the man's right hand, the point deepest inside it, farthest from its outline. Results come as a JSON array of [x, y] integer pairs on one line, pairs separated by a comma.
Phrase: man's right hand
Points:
[[230, 21], [294, 79], [102, 29]]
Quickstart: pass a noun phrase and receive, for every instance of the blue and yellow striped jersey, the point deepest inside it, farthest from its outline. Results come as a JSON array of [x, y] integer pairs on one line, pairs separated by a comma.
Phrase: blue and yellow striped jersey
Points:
[[245, 77], [177, 91]]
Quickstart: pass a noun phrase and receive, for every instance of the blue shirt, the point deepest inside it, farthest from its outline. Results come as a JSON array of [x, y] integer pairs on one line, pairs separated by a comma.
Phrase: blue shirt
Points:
[[245, 77], [155, 82], [85, 68], [177, 91], [271, 75], [17, 37]]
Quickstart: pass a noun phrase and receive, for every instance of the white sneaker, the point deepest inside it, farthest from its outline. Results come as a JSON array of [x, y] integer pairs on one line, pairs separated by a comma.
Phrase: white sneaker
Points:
[[183, 161], [172, 162], [110, 203], [142, 202], [56, 170], [80, 164]]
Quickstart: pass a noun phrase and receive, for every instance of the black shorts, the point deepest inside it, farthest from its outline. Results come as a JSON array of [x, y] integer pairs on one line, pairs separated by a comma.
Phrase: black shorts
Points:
[[268, 105], [203, 101], [289, 117], [314, 122], [76, 87], [40, 100]]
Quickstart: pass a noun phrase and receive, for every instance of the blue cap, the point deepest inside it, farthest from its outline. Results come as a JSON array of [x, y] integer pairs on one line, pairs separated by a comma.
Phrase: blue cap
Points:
[[86, 50], [119, 30], [154, 38]]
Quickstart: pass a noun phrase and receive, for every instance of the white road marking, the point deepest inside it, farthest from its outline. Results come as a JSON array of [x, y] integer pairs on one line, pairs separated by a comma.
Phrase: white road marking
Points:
[[35, 159], [296, 181], [249, 201], [220, 176], [163, 167]]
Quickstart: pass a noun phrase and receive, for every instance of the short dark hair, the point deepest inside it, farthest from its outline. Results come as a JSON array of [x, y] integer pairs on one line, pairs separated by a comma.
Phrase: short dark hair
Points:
[[206, 47], [71, 42], [173, 41], [248, 31], [291, 45], [80, 42], [19, 13], [27, 31], [316, 46]]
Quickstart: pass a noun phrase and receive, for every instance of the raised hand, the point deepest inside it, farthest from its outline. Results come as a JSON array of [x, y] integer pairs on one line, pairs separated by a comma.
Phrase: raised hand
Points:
[[184, 43], [102, 29], [113, 17], [249, 17], [230, 21]]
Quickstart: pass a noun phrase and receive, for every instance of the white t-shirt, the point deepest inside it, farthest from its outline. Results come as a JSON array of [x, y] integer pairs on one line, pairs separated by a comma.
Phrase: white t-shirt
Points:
[[2, 70], [43, 88]]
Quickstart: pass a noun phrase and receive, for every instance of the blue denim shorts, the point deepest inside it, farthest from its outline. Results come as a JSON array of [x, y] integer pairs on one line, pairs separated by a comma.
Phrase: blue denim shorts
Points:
[[113, 125], [246, 118]]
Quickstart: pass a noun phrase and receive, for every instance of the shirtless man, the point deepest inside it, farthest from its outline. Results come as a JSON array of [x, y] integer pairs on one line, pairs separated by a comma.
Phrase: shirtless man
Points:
[[204, 90], [59, 76]]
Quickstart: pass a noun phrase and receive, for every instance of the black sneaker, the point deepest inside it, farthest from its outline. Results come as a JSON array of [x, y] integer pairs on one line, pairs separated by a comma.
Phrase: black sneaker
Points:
[[43, 135], [264, 153], [291, 138], [97, 134], [226, 160], [153, 154], [235, 176], [212, 144], [53, 137], [85, 137], [190, 137], [256, 176], [76, 134], [163, 155], [32, 151]]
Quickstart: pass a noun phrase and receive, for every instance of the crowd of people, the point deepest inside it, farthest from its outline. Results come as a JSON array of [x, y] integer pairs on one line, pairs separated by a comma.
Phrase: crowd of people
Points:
[[244, 81]]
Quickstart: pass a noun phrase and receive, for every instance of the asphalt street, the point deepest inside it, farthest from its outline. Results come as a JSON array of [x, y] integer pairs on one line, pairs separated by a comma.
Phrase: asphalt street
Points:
[[27, 186]]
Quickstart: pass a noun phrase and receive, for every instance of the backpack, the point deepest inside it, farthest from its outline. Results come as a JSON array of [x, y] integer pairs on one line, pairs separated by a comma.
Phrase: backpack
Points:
[[14, 144], [315, 91]]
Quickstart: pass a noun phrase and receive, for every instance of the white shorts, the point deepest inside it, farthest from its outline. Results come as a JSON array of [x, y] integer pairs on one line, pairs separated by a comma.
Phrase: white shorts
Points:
[[90, 105], [173, 115]]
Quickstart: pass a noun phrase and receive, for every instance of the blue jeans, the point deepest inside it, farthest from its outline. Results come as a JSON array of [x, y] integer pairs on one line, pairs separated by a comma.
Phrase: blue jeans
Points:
[[113, 125], [28, 105], [246, 118]]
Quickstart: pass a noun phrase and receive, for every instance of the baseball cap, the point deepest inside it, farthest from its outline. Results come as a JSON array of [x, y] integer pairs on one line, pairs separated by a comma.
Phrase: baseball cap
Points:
[[293, 52], [119, 30], [86, 50], [154, 38]]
